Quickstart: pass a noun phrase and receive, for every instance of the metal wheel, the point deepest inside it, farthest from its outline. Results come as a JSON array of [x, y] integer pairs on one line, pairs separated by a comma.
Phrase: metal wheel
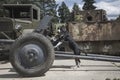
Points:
[[32, 54]]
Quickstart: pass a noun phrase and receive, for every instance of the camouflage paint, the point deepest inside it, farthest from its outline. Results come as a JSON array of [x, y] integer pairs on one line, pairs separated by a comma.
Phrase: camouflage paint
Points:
[[94, 31]]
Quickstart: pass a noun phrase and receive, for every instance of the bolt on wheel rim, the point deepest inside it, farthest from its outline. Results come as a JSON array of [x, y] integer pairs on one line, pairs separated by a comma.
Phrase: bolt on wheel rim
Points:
[[31, 55]]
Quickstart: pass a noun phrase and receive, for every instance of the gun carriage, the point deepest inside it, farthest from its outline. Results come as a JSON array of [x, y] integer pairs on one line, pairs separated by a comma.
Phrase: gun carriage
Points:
[[25, 41]]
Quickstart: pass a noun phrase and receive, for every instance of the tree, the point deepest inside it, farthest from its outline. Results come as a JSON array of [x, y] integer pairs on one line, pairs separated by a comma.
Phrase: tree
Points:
[[75, 11], [88, 5], [64, 13], [51, 9], [118, 18], [48, 7], [75, 8]]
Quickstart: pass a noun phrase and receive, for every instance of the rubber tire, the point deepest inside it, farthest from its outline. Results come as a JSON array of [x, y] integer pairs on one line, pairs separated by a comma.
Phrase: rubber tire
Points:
[[43, 68]]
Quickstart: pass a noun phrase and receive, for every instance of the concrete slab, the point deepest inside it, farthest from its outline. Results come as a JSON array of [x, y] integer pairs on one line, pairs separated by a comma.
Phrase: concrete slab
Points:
[[63, 70]]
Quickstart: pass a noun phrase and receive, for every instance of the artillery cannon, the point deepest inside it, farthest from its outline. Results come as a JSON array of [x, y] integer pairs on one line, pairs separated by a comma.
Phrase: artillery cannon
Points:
[[24, 42]]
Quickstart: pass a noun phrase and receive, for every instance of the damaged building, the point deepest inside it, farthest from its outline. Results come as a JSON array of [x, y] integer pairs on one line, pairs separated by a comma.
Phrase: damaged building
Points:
[[95, 33]]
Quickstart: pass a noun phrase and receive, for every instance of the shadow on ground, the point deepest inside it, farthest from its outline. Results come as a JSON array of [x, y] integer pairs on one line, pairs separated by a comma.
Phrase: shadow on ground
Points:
[[13, 74], [9, 76], [61, 68], [83, 68]]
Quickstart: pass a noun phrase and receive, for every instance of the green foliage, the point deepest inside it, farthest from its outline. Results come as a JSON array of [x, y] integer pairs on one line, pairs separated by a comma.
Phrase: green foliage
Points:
[[64, 13], [118, 18], [88, 5], [75, 11], [48, 7], [75, 8]]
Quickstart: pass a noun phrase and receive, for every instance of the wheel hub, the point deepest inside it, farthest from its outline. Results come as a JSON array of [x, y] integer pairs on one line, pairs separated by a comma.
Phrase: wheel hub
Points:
[[31, 55]]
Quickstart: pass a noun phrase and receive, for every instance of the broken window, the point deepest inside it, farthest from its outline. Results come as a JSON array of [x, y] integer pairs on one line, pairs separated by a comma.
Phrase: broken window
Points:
[[35, 15], [18, 11], [89, 18]]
